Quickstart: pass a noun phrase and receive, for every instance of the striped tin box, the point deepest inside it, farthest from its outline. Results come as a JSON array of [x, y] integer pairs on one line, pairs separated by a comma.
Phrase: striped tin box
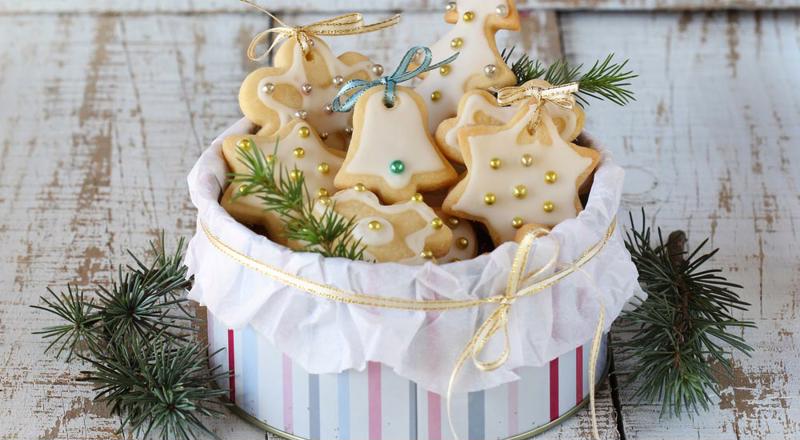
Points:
[[273, 392]]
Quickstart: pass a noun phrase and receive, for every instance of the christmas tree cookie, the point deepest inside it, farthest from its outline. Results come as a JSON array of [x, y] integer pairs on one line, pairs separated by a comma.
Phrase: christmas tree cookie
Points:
[[301, 86], [479, 107], [520, 173], [392, 152], [409, 232], [298, 149], [479, 65]]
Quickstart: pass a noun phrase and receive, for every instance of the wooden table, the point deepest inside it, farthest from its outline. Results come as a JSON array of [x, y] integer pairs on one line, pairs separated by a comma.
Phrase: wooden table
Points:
[[106, 104]]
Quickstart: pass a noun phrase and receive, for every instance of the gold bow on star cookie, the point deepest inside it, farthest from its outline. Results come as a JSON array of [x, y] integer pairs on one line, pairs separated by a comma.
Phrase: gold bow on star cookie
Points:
[[347, 24]]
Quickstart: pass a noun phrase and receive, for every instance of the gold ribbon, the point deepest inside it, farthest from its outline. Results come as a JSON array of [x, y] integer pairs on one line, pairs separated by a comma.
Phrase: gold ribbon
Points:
[[347, 24], [497, 321], [533, 90]]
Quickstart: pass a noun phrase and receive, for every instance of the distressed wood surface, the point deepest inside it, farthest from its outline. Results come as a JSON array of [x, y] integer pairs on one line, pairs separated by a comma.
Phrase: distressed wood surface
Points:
[[103, 115], [216, 6]]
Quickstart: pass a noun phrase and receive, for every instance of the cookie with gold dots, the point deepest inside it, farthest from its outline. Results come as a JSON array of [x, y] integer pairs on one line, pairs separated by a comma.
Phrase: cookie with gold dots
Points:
[[408, 232], [302, 85], [296, 148], [479, 65], [465, 241], [516, 176], [479, 107]]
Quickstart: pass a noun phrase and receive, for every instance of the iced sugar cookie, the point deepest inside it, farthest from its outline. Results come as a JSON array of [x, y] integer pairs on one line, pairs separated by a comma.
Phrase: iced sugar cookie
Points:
[[465, 242], [295, 146], [392, 152], [479, 65], [302, 85], [515, 177], [409, 232]]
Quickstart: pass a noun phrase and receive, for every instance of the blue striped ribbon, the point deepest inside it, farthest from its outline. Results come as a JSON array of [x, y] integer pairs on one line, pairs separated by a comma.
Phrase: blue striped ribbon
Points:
[[402, 74]]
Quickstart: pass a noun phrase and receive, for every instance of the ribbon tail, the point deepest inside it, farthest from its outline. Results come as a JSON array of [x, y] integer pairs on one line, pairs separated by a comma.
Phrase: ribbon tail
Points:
[[598, 335]]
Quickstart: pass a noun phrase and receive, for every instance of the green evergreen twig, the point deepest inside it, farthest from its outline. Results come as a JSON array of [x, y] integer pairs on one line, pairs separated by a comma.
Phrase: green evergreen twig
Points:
[[606, 79], [685, 323], [285, 193], [142, 345]]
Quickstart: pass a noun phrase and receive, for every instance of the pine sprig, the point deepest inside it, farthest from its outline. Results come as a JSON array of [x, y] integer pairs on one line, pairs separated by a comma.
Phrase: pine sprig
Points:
[[685, 323], [323, 231], [142, 346], [606, 79]]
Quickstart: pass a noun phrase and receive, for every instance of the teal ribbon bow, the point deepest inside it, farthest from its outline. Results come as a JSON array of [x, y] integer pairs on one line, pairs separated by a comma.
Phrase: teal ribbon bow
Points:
[[402, 74]]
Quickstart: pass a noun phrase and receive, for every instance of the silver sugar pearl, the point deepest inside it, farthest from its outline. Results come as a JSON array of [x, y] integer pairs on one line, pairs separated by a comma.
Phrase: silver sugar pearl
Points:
[[338, 80], [301, 114], [377, 69], [268, 88], [502, 10], [451, 7], [328, 108], [349, 130], [306, 88], [324, 135], [490, 70]]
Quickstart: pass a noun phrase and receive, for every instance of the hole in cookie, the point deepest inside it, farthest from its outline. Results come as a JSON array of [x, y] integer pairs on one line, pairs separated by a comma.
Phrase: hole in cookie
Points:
[[310, 57], [390, 105]]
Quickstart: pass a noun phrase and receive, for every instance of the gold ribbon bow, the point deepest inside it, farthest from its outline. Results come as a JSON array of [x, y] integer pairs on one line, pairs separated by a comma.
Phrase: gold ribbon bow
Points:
[[561, 96], [497, 321], [347, 24]]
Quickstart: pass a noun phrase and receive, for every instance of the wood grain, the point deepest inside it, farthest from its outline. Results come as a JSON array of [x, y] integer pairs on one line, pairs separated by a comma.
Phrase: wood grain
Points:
[[217, 6], [711, 147]]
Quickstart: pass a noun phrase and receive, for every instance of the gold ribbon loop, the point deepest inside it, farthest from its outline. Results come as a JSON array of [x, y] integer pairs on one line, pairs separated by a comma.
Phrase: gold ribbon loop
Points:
[[347, 24], [561, 96]]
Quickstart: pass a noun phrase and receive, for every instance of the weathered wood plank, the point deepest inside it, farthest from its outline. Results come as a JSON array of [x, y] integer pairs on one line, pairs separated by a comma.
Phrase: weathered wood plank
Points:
[[217, 6], [712, 147]]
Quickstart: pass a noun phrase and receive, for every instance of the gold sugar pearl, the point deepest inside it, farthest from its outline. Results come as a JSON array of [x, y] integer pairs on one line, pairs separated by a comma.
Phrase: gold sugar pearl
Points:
[[271, 159], [445, 70], [436, 95], [295, 174], [437, 223], [469, 16], [304, 132], [550, 177], [489, 199], [323, 168], [454, 222], [417, 197], [495, 163], [325, 201], [245, 144], [517, 222], [456, 43], [360, 187], [426, 254], [526, 160], [548, 206], [299, 153], [520, 191], [451, 7], [242, 189], [374, 225], [322, 193], [462, 243]]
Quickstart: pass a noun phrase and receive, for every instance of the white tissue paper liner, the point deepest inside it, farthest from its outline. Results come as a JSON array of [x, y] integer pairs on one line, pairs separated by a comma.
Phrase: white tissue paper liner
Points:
[[324, 336]]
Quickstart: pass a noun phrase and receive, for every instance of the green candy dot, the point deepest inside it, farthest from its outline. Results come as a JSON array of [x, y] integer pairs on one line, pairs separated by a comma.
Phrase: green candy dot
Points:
[[397, 167]]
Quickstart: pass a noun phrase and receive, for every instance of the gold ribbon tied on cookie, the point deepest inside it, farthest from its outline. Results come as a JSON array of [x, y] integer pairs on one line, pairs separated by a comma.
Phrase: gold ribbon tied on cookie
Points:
[[521, 283], [534, 90], [346, 24]]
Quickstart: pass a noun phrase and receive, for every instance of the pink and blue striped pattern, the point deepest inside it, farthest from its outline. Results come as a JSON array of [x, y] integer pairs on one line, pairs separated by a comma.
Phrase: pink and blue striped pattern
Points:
[[377, 404]]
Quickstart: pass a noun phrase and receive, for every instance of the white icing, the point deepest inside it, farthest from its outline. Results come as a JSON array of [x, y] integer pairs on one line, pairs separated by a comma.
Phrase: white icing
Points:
[[475, 54], [372, 237], [559, 157], [321, 94], [414, 241], [476, 102], [389, 134]]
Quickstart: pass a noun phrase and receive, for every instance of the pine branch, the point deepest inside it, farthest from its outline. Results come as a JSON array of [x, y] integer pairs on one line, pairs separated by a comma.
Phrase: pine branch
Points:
[[141, 343], [683, 325], [285, 194], [606, 79]]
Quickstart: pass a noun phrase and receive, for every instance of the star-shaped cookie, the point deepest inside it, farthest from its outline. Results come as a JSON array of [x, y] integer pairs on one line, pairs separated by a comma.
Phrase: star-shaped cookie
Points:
[[515, 177]]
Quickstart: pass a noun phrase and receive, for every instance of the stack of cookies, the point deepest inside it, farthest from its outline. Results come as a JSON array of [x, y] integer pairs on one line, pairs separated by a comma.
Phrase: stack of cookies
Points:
[[440, 173]]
